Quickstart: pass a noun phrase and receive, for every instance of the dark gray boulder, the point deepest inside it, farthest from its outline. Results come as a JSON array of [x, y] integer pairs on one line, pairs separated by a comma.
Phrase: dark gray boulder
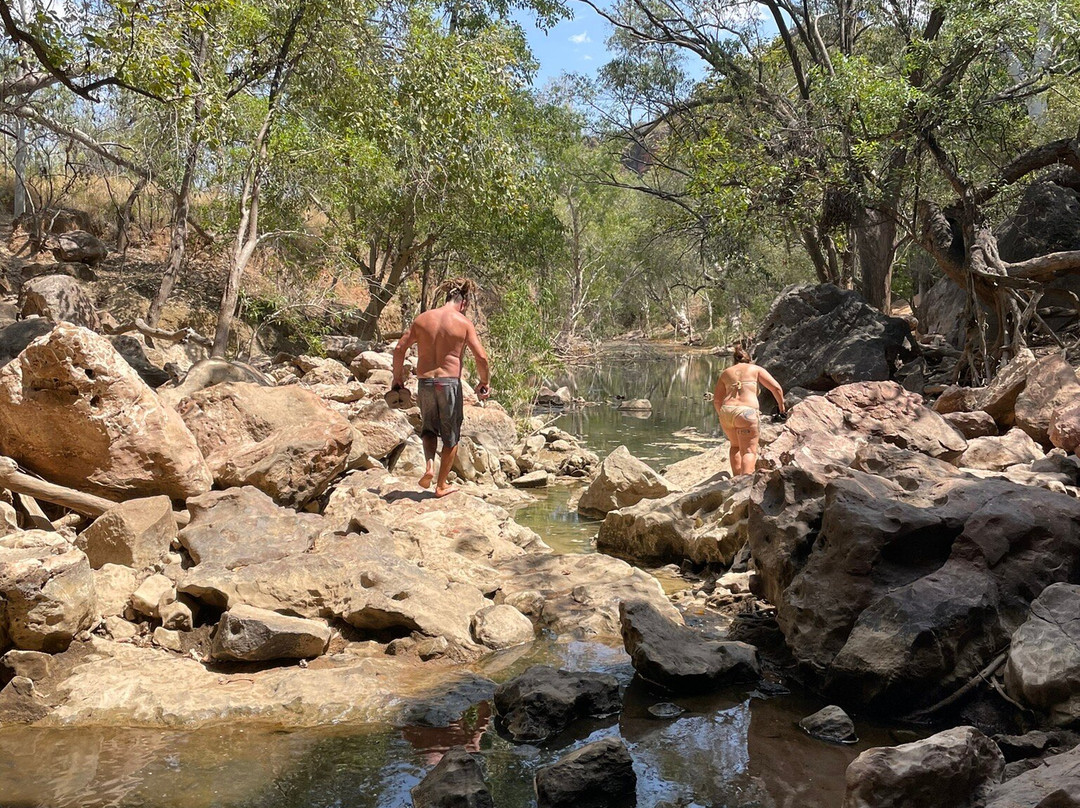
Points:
[[819, 337], [79, 246], [896, 580], [677, 658], [598, 775], [135, 355], [456, 782], [15, 337], [830, 724], [1054, 783], [953, 769], [543, 701]]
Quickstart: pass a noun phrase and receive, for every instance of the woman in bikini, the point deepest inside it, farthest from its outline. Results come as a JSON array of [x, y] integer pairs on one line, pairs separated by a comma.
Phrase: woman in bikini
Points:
[[736, 401]]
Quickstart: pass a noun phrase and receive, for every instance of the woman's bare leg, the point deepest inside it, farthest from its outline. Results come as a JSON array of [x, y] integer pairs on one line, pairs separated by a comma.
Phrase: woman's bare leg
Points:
[[748, 448], [733, 451]]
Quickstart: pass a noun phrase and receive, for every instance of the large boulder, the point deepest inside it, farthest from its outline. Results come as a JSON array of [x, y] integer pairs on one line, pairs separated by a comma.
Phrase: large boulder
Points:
[[1044, 655], [623, 480], [16, 336], [135, 534], [75, 412], [999, 397], [831, 428], [307, 568], [977, 424], [598, 775], [285, 441], [1065, 426], [59, 298], [456, 782], [80, 246], [1054, 783], [819, 337], [379, 433], [998, 452], [542, 702], [705, 525], [249, 634], [897, 580], [678, 658], [490, 426], [953, 769], [1051, 384], [47, 591]]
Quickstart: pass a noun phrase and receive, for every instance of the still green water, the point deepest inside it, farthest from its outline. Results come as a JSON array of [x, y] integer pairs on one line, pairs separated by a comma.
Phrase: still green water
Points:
[[735, 749], [682, 423]]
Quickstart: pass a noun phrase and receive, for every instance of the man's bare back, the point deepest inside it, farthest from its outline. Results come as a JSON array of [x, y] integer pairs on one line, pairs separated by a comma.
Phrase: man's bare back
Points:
[[441, 336]]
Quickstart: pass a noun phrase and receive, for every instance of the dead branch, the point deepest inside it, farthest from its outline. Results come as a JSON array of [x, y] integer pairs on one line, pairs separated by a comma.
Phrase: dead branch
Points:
[[144, 328], [90, 504]]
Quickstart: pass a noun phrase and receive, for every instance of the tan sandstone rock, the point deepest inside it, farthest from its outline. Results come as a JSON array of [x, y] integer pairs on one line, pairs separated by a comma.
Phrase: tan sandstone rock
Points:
[[283, 440], [75, 412], [998, 452], [136, 534], [248, 634], [46, 591], [1051, 384], [59, 298], [623, 480], [1065, 426]]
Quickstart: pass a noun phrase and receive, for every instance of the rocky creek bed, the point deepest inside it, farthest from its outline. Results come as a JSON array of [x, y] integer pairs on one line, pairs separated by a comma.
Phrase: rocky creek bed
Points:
[[253, 557]]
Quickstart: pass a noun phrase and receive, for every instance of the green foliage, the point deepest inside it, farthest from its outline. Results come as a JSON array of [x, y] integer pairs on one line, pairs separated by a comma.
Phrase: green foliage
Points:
[[520, 347]]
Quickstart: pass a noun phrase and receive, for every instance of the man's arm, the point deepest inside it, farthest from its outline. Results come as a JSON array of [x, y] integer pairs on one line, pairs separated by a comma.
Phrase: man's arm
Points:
[[406, 341], [472, 340]]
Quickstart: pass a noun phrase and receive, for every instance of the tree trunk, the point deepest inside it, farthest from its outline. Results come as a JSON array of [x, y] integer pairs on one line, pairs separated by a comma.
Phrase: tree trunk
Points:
[[123, 218], [247, 232], [875, 244], [181, 211]]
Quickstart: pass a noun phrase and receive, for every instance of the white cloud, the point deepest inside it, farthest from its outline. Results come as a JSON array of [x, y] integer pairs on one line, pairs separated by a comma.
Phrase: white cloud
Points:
[[580, 39], [587, 58]]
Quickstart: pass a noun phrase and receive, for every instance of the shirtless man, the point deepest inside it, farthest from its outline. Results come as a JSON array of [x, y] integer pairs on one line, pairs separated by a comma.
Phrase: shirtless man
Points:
[[441, 335]]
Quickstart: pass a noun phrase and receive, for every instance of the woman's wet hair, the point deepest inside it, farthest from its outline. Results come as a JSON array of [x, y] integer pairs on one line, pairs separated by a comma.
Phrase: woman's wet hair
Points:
[[741, 354]]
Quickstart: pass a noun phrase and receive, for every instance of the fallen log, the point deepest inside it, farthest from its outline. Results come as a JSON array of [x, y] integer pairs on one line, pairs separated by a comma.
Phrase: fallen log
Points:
[[89, 504]]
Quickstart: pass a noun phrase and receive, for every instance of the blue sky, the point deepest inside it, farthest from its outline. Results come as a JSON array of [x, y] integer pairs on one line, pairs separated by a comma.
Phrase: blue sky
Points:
[[572, 46]]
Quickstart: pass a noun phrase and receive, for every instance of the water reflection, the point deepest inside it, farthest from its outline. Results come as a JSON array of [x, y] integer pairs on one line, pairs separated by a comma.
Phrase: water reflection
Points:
[[682, 423], [727, 749]]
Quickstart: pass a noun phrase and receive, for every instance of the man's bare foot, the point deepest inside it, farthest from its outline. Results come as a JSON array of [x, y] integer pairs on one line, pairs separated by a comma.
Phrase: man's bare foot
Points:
[[445, 492], [425, 481]]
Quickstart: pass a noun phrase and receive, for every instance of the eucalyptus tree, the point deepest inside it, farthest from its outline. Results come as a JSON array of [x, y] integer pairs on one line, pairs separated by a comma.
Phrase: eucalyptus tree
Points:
[[818, 117], [424, 142]]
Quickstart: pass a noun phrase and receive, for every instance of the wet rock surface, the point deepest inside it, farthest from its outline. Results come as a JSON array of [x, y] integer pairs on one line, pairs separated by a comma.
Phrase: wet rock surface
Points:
[[598, 775], [457, 781], [544, 701], [672, 656]]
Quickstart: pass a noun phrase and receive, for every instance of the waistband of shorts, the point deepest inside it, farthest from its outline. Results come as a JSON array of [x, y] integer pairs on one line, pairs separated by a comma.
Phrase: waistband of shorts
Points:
[[439, 380]]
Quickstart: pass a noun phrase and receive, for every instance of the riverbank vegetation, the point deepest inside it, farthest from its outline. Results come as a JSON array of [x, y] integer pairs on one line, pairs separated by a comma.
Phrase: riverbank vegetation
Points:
[[322, 165]]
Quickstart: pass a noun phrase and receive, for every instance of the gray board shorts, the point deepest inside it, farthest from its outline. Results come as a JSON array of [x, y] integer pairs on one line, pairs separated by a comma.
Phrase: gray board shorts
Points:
[[441, 406]]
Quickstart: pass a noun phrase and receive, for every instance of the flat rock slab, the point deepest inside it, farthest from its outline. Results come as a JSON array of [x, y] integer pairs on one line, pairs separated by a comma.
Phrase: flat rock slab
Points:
[[598, 775], [543, 701], [1054, 783], [248, 634], [675, 657]]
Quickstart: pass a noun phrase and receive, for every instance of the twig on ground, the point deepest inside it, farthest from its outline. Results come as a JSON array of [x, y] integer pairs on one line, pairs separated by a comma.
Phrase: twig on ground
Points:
[[971, 684]]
